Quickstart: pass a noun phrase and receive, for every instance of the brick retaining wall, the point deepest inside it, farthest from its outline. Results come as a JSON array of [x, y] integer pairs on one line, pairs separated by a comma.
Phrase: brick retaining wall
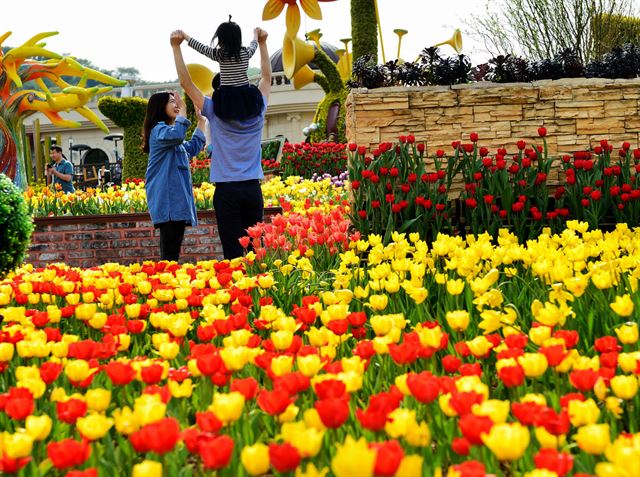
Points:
[[88, 241], [577, 113]]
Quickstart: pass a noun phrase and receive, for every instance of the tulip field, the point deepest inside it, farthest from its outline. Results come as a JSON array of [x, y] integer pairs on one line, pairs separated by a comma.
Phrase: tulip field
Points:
[[325, 352]]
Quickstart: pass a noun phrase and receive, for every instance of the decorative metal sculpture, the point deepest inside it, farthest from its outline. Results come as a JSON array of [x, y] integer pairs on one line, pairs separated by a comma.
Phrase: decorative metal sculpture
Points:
[[23, 92]]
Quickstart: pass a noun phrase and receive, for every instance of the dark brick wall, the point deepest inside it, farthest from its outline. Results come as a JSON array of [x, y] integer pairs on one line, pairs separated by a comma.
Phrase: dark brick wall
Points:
[[89, 241]]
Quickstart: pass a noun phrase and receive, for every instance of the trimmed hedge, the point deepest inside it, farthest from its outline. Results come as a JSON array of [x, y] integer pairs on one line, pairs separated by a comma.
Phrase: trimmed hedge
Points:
[[15, 226], [128, 113]]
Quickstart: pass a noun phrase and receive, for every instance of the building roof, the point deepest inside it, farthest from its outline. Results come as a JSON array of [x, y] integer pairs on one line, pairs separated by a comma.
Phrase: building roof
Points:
[[276, 58]]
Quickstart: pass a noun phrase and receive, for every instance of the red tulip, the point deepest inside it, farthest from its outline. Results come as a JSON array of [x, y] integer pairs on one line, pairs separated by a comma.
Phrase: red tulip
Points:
[[208, 422], [274, 402], [120, 373], [473, 426], [559, 462], [388, 457], [12, 466], [284, 457], [49, 371], [248, 387], [511, 376], [19, 403], [424, 387], [583, 379], [216, 453], [68, 453], [330, 388], [333, 411], [69, 411], [461, 446], [159, 437], [91, 472]]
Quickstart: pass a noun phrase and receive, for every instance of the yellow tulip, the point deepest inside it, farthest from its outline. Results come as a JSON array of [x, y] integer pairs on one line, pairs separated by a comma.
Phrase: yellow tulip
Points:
[[282, 339], [353, 458], [38, 427], [582, 413], [6, 352], [309, 365], [149, 408], [623, 305], [479, 346], [311, 471], [458, 320], [98, 399], [593, 438], [255, 459], [410, 466], [613, 405], [94, 426], [147, 468], [17, 445], [455, 287], [169, 350], [78, 370], [548, 440], [400, 420], [308, 441], [180, 390], [507, 441], [281, 365], [533, 364], [624, 387], [627, 333], [418, 435], [125, 421], [496, 409], [85, 311], [312, 419], [378, 302], [227, 407]]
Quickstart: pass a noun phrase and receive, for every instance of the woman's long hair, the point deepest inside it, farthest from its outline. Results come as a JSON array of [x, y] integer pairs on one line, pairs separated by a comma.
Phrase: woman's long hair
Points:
[[156, 112], [229, 38]]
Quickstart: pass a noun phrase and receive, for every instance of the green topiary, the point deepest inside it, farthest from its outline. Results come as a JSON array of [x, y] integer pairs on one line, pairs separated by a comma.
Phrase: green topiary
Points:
[[128, 113], [364, 29], [15, 226]]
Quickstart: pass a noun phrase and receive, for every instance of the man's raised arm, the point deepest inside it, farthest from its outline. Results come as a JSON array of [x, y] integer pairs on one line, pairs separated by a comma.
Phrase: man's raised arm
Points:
[[186, 82]]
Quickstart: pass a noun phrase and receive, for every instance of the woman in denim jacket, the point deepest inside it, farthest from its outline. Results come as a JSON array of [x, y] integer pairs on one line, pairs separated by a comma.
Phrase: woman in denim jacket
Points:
[[168, 178]]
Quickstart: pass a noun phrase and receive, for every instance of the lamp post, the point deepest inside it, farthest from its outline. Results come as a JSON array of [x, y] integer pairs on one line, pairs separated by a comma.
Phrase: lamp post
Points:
[[127, 90]]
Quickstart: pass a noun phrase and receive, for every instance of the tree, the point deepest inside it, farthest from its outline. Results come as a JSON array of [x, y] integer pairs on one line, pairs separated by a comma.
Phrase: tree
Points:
[[539, 29]]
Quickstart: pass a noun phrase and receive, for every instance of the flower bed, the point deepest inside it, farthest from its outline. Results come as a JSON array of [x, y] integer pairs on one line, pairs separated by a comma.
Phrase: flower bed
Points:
[[470, 357], [400, 188], [131, 197]]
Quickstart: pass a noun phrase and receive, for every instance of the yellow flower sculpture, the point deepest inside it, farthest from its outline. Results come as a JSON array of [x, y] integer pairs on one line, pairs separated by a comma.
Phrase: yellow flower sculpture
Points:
[[311, 8], [17, 67]]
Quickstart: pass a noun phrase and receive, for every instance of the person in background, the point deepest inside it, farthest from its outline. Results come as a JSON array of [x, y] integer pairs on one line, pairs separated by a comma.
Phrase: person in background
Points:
[[60, 170], [168, 178], [236, 168]]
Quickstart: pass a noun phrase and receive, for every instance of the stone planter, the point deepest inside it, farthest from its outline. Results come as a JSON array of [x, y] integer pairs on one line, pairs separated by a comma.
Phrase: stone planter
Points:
[[88, 241], [577, 112]]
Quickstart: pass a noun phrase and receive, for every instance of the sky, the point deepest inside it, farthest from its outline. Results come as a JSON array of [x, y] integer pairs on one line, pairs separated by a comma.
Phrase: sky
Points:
[[125, 33]]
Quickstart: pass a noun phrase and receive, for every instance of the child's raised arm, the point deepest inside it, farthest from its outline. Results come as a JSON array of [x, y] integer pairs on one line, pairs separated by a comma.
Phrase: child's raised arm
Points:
[[201, 48]]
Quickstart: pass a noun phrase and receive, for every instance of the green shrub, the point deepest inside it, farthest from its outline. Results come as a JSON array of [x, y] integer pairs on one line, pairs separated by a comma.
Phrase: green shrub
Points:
[[128, 113], [15, 226], [611, 30]]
